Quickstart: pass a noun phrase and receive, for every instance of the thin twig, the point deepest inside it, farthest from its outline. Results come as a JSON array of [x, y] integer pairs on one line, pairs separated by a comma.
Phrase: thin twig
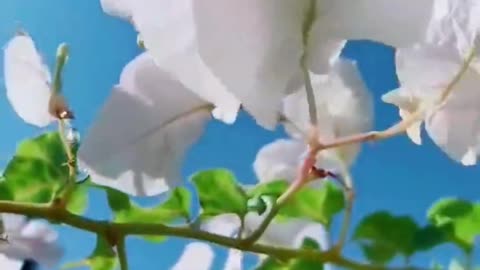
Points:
[[122, 253], [349, 199]]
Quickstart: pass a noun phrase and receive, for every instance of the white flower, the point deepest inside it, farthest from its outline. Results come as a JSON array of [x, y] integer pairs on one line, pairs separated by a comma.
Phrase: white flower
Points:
[[424, 73], [27, 81], [344, 107], [167, 31], [256, 47], [198, 256], [29, 240], [139, 139]]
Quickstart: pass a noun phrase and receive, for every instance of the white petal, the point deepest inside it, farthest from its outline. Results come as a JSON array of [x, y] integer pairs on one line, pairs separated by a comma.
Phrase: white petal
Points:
[[139, 139], [27, 81], [279, 160], [168, 32], [414, 132], [316, 232], [455, 24], [30, 240], [234, 260], [344, 106], [254, 47], [424, 73], [117, 8], [13, 223], [398, 23], [198, 256], [10, 264], [225, 225]]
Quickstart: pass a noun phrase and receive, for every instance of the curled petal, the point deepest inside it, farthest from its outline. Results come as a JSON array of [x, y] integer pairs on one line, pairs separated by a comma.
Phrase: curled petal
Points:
[[139, 139], [195, 256], [168, 32], [27, 81], [254, 47], [344, 107]]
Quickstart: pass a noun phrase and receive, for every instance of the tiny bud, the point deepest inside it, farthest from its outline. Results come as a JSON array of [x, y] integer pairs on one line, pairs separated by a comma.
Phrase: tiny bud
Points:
[[140, 42], [62, 51]]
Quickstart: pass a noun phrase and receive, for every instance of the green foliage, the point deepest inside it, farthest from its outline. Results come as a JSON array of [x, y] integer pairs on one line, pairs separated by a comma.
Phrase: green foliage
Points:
[[294, 264], [219, 193], [458, 219], [383, 236], [38, 170], [317, 204], [103, 257]]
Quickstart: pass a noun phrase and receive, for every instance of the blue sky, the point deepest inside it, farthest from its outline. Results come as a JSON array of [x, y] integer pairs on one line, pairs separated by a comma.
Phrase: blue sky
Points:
[[395, 174]]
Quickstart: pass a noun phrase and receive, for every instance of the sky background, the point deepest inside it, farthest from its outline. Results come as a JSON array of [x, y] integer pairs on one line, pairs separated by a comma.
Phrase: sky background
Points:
[[394, 175]]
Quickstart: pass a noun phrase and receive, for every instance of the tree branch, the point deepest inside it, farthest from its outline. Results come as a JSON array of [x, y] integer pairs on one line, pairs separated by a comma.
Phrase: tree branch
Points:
[[50, 212]]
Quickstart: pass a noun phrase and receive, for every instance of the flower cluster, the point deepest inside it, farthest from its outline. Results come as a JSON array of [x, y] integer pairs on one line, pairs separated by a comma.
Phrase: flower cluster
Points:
[[278, 60]]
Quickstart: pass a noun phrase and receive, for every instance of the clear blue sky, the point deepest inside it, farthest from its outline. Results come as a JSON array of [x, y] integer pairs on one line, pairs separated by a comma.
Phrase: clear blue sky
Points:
[[394, 174]]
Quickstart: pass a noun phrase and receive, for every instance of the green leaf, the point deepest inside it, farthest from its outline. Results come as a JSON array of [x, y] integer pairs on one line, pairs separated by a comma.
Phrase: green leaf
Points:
[[458, 219], [78, 202], [293, 264], [103, 257], [317, 204], [177, 206], [37, 169], [382, 236], [219, 193], [428, 237]]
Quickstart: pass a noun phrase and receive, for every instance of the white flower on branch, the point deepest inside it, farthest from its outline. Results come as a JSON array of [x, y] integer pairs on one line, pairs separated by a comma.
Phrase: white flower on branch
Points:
[[139, 139], [33, 240], [168, 33], [344, 107], [27, 81], [424, 74]]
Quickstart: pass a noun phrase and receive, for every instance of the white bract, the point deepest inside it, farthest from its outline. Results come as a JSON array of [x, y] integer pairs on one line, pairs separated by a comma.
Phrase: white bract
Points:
[[424, 73], [249, 51], [198, 256], [167, 31], [139, 139], [27, 81], [29, 240]]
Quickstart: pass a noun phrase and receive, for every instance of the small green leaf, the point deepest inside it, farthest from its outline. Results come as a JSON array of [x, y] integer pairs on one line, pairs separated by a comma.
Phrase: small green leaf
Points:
[[177, 206], [317, 204], [428, 237], [103, 257], [78, 202], [458, 219], [219, 193], [293, 264], [383, 236], [37, 170]]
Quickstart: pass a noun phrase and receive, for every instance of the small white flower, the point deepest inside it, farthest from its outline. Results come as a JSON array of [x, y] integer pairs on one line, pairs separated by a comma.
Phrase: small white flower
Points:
[[424, 73], [198, 256], [139, 139], [10, 264], [30, 240], [27, 81], [344, 107]]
